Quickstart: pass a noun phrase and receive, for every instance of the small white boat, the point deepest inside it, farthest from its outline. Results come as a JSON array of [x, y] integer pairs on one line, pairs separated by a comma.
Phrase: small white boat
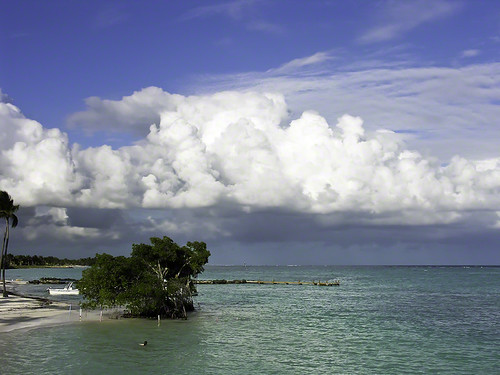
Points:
[[67, 290], [16, 282]]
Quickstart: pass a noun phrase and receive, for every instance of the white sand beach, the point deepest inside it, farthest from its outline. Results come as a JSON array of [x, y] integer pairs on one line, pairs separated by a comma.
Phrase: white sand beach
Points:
[[21, 312]]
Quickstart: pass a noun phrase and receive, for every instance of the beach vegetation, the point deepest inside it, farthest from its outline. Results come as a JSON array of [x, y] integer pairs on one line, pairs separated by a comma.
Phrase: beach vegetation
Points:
[[7, 212], [36, 261], [157, 279]]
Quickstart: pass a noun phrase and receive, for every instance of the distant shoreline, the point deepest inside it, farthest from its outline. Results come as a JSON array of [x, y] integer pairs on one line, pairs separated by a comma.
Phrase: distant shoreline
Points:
[[362, 265], [61, 266]]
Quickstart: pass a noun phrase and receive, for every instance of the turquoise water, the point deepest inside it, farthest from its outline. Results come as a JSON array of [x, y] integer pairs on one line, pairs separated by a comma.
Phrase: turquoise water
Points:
[[381, 320]]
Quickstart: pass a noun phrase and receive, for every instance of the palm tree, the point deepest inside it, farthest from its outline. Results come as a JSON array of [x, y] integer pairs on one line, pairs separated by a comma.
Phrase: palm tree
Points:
[[7, 209]]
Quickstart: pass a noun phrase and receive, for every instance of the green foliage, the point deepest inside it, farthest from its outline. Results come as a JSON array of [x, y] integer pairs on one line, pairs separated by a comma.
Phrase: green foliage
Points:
[[107, 281], [7, 208], [7, 212], [156, 279], [13, 261]]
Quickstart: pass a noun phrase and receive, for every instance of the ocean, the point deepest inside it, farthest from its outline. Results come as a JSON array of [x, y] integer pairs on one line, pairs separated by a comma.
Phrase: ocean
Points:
[[380, 320]]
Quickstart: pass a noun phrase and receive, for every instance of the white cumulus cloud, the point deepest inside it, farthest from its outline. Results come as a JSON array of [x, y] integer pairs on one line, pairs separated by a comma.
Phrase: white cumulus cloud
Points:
[[133, 113], [35, 163], [241, 150], [441, 111]]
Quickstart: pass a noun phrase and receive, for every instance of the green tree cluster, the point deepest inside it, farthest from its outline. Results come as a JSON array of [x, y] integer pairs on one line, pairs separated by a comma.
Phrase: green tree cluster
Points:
[[14, 261], [7, 211], [155, 280]]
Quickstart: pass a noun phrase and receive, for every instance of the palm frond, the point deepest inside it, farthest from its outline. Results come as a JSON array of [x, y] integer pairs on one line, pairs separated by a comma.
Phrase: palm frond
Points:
[[7, 207], [14, 221]]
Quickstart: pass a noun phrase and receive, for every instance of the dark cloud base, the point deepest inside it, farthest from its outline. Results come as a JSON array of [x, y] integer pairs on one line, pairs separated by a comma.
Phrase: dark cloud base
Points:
[[268, 238]]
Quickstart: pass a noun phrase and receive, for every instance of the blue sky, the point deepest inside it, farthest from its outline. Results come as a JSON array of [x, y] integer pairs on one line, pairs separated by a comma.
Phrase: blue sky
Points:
[[57, 53], [425, 72]]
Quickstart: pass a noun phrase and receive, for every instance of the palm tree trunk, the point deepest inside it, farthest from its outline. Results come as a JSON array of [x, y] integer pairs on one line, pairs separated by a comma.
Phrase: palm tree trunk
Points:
[[1, 253], [4, 255]]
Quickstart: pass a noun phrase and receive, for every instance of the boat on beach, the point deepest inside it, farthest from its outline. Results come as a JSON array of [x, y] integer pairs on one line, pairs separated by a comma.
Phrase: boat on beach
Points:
[[17, 282], [67, 290]]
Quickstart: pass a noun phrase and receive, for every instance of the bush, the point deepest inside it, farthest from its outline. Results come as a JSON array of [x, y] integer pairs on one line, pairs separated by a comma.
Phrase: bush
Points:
[[155, 280]]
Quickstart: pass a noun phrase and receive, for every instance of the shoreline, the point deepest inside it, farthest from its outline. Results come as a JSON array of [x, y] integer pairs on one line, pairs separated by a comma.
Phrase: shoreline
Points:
[[47, 266], [19, 312]]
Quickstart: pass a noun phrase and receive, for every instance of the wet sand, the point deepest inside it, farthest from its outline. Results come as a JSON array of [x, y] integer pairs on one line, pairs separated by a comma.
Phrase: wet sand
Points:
[[23, 312], [18, 312]]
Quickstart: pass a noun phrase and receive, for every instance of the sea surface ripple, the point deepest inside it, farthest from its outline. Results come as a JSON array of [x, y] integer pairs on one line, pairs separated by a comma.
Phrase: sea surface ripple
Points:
[[380, 320]]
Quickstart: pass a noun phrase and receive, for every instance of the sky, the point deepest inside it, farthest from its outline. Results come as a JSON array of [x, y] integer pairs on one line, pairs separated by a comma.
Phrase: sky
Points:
[[278, 132]]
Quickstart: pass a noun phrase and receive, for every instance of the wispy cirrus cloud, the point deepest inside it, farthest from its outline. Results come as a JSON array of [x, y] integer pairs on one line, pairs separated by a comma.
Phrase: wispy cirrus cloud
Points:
[[232, 9], [109, 17], [470, 53], [315, 59], [398, 17], [238, 10], [267, 27]]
